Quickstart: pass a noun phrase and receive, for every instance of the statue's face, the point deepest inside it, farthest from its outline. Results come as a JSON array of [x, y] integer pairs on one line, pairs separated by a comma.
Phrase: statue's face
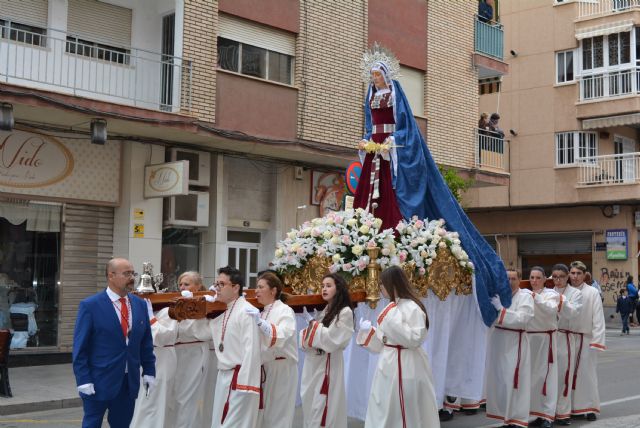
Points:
[[378, 79]]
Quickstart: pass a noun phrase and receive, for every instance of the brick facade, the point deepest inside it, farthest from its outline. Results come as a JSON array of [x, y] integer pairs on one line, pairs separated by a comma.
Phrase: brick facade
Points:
[[333, 36], [199, 47], [451, 95]]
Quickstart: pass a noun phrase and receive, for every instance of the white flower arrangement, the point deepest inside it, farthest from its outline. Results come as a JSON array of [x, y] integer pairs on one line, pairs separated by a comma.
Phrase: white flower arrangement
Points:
[[345, 236], [420, 240]]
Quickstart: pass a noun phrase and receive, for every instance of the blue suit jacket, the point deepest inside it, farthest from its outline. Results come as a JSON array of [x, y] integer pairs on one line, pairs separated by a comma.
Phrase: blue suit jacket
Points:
[[100, 353]]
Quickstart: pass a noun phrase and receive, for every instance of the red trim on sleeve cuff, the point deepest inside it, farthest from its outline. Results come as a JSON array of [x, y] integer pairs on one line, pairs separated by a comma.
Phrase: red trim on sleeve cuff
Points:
[[598, 346], [313, 333], [153, 321], [273, 335], [503, 312], [369, 336]]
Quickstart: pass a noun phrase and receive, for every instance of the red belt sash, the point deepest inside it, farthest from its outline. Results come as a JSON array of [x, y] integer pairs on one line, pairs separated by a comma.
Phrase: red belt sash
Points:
[[232, 387], [516, 373], [575, 373], [400, 391], [549, 356], [263, 379]]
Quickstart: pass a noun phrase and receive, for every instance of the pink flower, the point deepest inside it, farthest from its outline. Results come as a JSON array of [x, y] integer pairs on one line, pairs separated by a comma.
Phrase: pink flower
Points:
[[419, 224], [347, 266], [361, 264], [422, 271], [403, 256], [300, 252], [333, 268], [346, 239], [371, 244], [386, 251], [338, 219], [321, 251]]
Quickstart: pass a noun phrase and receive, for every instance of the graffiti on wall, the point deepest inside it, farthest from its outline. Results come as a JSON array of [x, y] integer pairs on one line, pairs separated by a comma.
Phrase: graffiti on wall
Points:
[[611, 281]]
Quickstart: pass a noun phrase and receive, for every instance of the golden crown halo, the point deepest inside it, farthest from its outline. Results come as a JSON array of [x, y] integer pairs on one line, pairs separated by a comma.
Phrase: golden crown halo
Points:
[[378, 53]]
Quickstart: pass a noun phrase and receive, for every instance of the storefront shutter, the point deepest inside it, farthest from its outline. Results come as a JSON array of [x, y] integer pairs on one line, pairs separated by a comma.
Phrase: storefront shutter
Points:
[[88, 246], [560, 243], [29, 12], [100, 22], [248, 32]]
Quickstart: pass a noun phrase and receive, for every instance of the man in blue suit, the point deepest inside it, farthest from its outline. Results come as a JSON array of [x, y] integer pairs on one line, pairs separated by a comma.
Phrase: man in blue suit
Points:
[[112, 339]]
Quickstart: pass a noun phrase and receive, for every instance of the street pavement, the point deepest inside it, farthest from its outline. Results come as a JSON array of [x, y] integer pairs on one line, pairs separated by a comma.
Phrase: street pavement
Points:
[[618, 377]]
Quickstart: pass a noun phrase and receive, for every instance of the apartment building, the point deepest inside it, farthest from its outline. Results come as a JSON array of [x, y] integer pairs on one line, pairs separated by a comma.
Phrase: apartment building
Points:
[[570, 109], [263, 99]]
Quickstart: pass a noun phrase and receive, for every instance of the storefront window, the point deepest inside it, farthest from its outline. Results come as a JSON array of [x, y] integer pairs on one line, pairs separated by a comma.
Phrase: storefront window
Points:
[[180, 253], [30, 272]]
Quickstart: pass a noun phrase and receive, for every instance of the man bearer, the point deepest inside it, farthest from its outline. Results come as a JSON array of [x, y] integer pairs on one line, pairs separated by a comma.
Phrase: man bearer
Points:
[[112, 339], [236, 339]]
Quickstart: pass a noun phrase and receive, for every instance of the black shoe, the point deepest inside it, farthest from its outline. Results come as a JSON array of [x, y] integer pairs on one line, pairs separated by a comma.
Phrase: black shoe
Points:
[[546, 424], [564, 422], [537, 422], [591, 417], [470, 412], [444, 415]]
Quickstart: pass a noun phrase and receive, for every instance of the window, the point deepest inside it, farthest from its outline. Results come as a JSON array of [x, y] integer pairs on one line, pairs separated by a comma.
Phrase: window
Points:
[[564, 67], [91, 49], [573, 145], [489, 86], [592, 53], [254, 61], [619, 48], [412, 81], [180, 253], [22, 33]]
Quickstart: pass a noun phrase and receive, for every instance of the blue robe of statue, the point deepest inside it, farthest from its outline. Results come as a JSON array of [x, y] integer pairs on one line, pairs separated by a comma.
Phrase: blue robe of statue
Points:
[[421, 190]]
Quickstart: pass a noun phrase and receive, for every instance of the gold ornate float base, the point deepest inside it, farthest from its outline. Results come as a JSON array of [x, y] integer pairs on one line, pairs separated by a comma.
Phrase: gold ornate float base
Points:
[[444, 276]]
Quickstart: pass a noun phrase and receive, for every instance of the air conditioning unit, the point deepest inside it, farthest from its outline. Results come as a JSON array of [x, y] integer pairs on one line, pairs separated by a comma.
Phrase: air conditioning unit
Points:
[[199, 165], [187, 210]]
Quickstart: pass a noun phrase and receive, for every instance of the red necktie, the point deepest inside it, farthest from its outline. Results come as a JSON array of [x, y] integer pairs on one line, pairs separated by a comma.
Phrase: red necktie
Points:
[[124, 316]]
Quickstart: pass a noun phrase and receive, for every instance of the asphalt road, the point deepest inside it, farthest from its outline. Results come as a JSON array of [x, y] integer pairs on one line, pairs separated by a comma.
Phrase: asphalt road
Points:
[[618, 377]]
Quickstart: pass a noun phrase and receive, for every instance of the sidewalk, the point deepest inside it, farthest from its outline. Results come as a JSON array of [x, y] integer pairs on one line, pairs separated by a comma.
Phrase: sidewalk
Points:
[[39, 388]]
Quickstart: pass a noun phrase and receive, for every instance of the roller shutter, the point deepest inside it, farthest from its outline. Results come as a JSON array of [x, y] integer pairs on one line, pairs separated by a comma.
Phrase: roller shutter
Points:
[[556, 243], [30, 12], [100, 22], [250, 33]]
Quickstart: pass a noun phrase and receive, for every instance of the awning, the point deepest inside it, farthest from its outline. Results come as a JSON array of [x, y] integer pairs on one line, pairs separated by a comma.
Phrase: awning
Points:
[[604, 29], [610, 121]]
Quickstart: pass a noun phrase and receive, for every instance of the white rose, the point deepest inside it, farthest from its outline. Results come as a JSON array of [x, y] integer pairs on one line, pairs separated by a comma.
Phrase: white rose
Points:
[[377, 223], [364, 229], [279, 252], [335, 240], [336, 258], [327, 234], [357, 250], [292, 234], [352, 222], [428, 262]]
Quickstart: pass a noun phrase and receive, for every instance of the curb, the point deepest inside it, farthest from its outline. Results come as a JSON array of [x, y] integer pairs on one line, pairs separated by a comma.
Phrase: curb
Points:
[[12, 409]]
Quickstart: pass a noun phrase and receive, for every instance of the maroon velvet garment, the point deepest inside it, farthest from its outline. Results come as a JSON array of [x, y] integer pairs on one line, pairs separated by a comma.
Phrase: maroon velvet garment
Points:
[[387, 209]]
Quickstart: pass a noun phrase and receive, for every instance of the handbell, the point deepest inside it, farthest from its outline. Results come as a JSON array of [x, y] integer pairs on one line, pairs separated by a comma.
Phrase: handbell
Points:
[[146, 286]]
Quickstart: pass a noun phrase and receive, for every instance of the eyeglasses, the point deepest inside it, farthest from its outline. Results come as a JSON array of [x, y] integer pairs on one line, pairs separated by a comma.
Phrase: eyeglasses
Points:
[[219, 284], [558, 277], [128, 274]]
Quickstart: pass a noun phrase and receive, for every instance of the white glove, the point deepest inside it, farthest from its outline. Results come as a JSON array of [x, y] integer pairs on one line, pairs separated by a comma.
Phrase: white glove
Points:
[[213, 288], [265, 327], [149, 382], [87, 389], [365, 325], [495, 301], [209, 298], [254, 312], [149, 308], [186, 293], [307, 316]]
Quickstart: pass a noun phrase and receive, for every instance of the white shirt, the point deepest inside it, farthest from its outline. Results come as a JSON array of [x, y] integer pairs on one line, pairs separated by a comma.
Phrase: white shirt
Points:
[[117, 306]]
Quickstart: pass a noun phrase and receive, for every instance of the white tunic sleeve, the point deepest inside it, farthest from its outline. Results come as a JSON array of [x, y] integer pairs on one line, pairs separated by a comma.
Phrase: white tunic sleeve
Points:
[[369, 339], [250, 366], [569, 307], [283, 326], [546, 302], [336, 336], [164, 330], [405, 324], [598, 329], [519, 314]]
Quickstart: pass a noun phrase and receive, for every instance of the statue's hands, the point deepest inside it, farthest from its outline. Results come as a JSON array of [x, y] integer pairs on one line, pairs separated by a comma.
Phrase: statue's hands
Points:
[[362, 144]]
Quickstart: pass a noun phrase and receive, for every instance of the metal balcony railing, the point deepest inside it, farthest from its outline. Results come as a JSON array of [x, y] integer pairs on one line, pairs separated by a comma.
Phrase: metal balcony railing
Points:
[[609, 84], [60, 62], [594, 8], [609, 169], [491, 151], [489, 39]]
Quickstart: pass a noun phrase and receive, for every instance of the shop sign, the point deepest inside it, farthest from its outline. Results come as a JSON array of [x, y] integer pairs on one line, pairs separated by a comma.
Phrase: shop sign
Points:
[[166, 179], [616, 244], [29, 160]]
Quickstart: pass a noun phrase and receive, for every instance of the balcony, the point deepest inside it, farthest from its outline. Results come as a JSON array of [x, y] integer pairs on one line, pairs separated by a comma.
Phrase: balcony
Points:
[[608, 170], [588, 9], [55, 61], [609, 84], [488, 51], [492, 152]]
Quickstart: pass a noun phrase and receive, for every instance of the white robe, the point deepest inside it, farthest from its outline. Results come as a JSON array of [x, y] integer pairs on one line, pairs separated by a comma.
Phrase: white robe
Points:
[[280, 365], [543, 339], [506, 402], [568, 308], [209, 386], [323, 347], [401, 324], [238, 381], [192, 352], [157, 409], [589, 322]]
